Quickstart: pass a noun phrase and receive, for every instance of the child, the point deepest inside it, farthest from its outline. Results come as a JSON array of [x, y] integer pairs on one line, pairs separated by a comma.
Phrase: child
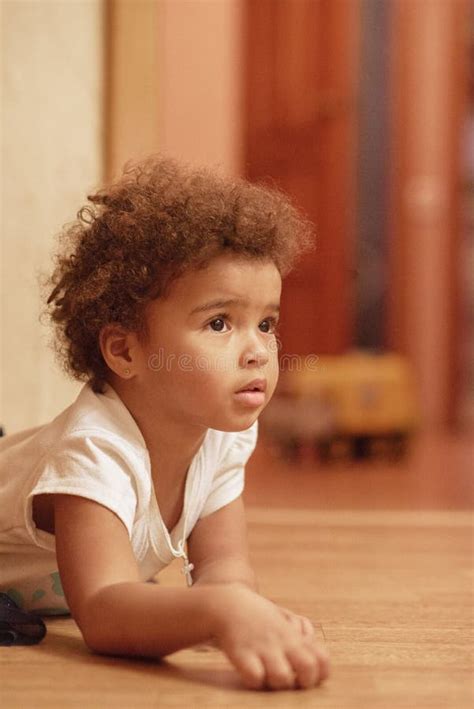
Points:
[[165, 303]]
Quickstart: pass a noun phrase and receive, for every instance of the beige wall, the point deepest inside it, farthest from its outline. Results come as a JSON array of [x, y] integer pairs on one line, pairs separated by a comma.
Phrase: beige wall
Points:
[[51, 155], [173, 85]]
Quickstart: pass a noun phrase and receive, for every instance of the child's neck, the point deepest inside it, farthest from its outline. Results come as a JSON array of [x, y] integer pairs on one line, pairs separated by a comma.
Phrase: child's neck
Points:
[[171, 444]]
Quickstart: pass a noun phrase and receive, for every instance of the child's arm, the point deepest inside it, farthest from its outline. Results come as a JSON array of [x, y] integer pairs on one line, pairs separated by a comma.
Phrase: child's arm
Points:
[[115, 610], [218, 548], [119, 614]]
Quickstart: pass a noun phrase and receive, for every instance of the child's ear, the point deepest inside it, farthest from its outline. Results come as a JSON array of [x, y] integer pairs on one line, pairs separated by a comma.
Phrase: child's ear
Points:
[[118, 348]]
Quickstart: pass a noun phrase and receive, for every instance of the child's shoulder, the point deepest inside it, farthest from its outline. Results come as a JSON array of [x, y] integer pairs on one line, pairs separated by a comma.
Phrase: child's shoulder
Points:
[[101, 417], [106, 415]]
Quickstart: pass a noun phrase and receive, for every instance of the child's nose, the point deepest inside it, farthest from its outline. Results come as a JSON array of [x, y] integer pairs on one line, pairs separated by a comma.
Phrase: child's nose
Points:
[[255, 354]]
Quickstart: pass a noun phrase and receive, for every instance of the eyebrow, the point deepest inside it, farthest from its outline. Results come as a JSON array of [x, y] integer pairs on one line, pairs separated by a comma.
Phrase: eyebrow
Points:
[[214, 304]]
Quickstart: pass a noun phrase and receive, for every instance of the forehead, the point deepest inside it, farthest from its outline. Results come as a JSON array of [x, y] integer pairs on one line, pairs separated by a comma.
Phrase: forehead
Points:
[[229, 277]]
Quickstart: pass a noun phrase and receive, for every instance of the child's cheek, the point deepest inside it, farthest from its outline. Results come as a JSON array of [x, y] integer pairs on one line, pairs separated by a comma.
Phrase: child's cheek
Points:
[[272, 387]]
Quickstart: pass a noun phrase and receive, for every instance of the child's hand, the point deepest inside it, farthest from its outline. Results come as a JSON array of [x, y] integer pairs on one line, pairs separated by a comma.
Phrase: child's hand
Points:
[[266, 644], [300, 622]]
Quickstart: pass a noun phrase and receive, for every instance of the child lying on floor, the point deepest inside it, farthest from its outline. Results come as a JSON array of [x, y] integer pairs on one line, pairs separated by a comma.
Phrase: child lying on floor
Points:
[[165, 301]]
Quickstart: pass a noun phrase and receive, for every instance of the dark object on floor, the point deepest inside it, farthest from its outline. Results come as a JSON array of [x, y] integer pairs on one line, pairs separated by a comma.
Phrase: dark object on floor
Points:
[[391, 447], [18, 627]]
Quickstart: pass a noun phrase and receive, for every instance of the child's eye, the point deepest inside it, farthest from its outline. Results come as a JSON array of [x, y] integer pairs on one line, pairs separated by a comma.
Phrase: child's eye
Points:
[[270, 325], [217, 324]]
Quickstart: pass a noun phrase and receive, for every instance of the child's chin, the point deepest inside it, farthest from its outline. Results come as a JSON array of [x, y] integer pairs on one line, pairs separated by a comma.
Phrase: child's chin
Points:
[[238, 423]]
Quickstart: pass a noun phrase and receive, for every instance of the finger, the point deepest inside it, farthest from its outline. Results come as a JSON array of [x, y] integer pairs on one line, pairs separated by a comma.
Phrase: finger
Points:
[[303, 624], [250, 667], [278, 672], [305, 665], [295, 621], [306, 626], [324, 662], [321, 657], [285, 612]]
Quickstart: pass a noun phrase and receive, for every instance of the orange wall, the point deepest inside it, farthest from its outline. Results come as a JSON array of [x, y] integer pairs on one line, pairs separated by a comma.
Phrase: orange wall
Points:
[[174, 81]]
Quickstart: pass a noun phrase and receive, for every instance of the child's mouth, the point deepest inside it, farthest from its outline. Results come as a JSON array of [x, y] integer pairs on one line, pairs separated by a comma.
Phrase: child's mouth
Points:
[[253, 397], [253, 394]]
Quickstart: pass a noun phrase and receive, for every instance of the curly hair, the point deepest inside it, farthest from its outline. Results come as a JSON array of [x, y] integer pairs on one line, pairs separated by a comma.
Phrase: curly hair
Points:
[[142, 232]]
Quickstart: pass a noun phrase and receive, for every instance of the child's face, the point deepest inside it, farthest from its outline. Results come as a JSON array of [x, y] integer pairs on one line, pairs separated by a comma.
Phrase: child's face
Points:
[[197, 358]]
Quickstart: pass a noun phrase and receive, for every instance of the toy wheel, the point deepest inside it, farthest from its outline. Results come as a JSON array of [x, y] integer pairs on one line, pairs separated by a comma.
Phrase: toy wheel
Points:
[[335, 448], [398, 445], [361, 447], [290, 450], [324, 450]]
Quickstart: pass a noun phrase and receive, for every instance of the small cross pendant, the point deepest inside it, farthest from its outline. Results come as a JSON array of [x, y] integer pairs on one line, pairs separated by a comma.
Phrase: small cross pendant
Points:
[[186, 570]]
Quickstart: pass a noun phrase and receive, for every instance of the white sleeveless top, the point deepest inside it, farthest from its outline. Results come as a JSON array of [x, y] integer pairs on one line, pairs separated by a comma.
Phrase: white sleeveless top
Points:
[[95, 449]]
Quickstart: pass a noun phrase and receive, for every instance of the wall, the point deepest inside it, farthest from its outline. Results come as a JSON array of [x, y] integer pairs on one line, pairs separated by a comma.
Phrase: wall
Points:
[[174, 81], [201, 63], [51, 156], [172, 84]]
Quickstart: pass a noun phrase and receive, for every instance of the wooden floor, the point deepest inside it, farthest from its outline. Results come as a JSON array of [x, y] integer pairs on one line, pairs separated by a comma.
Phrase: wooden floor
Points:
[[379, 556]]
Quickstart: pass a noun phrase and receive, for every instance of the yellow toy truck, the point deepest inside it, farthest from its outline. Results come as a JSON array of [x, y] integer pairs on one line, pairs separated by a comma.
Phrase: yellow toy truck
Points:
[[351, 405]]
